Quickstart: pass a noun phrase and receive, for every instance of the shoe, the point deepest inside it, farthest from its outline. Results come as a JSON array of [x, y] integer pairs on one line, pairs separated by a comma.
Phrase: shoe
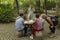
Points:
[[52, 36], [31, 37]]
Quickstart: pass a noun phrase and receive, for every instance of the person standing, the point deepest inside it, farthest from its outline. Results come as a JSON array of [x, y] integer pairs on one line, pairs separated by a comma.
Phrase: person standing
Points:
[[26, 25], [30, 12], [37, 29]]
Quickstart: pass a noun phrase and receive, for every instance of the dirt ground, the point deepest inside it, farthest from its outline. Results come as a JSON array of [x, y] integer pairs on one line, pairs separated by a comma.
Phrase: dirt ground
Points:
[[8, 32]]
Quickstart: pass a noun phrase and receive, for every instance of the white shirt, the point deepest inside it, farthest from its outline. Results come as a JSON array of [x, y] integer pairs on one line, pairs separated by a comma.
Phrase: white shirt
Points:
[[30, 11], [42, 19]]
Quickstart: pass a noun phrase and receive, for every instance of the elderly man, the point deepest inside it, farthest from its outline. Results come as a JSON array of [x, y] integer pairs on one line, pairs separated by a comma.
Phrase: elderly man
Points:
[[52, 20]]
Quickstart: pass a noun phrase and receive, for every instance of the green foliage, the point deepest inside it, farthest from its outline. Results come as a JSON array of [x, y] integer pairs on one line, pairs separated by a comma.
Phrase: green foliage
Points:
[[58, 9], [6, 13], [50, 5], [25, 4], [58, 14]]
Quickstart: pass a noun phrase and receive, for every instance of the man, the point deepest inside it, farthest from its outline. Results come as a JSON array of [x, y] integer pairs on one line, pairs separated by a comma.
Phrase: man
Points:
[[19, 24], [51, 22], [54, 19]]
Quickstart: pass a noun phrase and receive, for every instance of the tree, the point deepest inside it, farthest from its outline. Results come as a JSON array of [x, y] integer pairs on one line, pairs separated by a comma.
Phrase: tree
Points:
[[17, 5], [58, 10], [58, 7], [45, 6], [38, 5]]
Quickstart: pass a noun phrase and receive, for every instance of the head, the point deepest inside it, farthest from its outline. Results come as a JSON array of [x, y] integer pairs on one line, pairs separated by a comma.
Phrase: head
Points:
[[43, 16], [21, 14], [37, 15], [31, 6]]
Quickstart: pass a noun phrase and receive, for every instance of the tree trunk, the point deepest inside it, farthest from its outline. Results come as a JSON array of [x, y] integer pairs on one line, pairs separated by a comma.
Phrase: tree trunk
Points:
[[45, 6], [17, 6], [58, 10], [38, 5]]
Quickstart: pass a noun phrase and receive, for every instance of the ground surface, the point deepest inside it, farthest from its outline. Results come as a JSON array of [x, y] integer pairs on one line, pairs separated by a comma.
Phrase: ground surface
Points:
[[8, 32]]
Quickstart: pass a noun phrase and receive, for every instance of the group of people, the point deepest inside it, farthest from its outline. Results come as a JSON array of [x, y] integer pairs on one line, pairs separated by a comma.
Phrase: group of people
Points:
[[37, 24]]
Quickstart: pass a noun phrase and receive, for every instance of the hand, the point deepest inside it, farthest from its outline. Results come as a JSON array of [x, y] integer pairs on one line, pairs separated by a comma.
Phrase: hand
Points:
[[52, 26]]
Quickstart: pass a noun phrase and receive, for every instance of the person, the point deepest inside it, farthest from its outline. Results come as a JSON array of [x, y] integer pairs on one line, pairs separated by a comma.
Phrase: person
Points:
[[19, 25], [30, 12], [26, 25], [52, 21], [42, 20], [25, 16], [37, 28]]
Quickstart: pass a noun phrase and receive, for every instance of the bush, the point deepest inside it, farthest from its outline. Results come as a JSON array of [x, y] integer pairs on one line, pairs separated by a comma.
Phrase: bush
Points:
[[6, 13]]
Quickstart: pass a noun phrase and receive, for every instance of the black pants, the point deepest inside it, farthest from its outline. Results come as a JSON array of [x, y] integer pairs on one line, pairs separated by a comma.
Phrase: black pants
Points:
[[25, 30], [52, 29]]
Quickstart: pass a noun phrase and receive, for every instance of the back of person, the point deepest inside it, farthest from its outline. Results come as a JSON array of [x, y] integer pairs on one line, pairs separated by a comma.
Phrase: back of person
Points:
[[20, 24], [39, 23], [37, 28]]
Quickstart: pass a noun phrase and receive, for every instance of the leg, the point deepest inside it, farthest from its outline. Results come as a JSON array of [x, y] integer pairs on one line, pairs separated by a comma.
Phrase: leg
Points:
[[33, 33], [25, 31], [19, 33], [39, 36], [52, 29], [52, 32]]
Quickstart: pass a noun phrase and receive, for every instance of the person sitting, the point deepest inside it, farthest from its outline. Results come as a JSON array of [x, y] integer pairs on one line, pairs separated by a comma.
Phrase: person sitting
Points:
[[37, 28], [19, 25]]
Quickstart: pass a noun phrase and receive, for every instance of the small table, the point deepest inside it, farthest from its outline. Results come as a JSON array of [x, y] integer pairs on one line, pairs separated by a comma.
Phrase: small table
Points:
[[29, 24]]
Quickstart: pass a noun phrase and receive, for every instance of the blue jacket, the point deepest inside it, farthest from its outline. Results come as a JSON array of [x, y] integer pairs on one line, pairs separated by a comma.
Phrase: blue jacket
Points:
[[19, 23]]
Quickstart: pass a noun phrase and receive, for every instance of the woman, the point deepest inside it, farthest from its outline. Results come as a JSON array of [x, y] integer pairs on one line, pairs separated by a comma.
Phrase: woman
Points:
[[37, 28]]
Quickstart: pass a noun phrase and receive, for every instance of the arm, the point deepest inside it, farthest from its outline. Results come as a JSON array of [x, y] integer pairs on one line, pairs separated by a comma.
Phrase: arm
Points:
[[49, 21]]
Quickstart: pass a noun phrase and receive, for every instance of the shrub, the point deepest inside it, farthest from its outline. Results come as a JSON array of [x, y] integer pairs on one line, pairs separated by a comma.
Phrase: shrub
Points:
[[6, 13]]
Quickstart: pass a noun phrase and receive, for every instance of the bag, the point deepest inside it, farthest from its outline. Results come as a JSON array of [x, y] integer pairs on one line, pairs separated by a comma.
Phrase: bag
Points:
[[54, 20]]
